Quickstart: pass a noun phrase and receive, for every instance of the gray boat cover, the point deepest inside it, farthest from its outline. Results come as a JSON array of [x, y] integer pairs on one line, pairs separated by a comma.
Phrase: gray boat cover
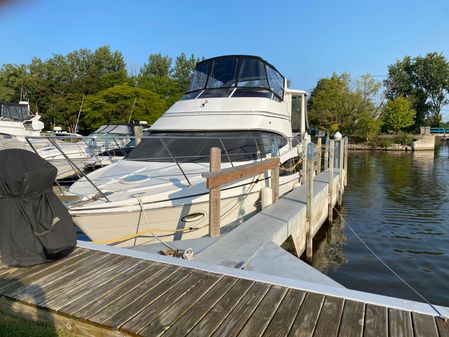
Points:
[[35, 227]]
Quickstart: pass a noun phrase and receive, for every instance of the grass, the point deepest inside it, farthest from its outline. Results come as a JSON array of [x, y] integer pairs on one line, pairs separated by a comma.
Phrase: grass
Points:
[[15, 327]]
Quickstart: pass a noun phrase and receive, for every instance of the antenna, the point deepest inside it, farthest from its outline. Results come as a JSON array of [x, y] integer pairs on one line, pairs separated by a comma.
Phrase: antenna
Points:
[[79, 114], [132, 109]]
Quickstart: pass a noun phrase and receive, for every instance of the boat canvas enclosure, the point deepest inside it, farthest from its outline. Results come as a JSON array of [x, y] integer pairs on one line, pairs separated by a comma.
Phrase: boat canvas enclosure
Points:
[[35, 227], [15, 112]]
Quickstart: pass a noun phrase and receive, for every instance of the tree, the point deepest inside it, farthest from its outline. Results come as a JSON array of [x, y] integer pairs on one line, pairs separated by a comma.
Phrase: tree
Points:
[[63, 111], [115, 105], [184, 68], [337, 103], [398, 114], [422, 80], [158, 66]]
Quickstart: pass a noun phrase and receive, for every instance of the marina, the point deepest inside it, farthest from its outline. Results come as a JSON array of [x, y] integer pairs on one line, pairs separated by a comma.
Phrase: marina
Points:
[[113, 291]]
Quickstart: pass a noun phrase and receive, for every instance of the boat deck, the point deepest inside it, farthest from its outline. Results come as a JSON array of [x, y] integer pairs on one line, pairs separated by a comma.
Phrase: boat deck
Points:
[[97, 293]]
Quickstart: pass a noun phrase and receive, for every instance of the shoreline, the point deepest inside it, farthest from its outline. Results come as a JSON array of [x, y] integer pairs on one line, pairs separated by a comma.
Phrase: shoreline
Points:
[[367, 147]]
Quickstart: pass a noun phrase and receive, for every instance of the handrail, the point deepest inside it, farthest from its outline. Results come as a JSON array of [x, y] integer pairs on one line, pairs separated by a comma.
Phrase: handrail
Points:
[[217, 177]]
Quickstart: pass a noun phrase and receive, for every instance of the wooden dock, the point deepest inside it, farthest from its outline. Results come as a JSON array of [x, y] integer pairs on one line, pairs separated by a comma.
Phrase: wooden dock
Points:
[[98, 293]]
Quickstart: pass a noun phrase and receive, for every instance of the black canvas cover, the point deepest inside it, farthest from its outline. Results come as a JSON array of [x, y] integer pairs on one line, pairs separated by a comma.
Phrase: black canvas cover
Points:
[[35, 227]]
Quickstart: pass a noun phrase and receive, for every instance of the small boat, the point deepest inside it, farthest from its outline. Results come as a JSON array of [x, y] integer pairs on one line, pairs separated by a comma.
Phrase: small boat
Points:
[[72, 151], [238, 103], [16, 123]]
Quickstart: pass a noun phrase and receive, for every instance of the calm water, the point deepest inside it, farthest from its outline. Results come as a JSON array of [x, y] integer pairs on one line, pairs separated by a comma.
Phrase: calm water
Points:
[[399, 204]]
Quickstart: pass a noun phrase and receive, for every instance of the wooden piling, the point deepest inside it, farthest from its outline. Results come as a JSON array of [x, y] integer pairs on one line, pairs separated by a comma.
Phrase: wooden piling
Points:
[[318, 168], [341, 170], [331, 181], [326, 152], [275, 183], [214, 194], [309, 207], [346, 161], [138, 133]]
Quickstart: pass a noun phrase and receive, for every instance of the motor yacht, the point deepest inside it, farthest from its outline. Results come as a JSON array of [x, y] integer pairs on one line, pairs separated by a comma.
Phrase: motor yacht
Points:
[[71, 152], [238, 103], [16, 123]]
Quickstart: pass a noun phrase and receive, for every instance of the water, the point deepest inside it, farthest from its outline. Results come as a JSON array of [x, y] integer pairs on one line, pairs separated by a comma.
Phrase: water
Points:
[[399, 204]]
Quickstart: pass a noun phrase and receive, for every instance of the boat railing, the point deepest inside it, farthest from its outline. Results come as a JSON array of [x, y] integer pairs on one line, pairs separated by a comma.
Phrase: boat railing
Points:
[[179, 149]]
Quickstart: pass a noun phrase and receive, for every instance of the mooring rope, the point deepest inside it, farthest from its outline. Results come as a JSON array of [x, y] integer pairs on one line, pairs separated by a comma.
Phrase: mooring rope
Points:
[[391, 269]]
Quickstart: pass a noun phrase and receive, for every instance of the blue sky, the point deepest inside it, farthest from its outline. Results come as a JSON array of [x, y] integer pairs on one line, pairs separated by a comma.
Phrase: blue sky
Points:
[[305, 40]]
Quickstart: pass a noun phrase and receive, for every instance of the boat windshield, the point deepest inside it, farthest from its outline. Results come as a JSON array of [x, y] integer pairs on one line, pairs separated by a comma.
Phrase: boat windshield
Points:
[[195, 146], [113, 130], [15, 112], [236, 76]]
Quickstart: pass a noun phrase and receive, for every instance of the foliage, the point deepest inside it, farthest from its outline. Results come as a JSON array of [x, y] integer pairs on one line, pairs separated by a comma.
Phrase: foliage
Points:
[[337, 103], [398, 114], [115, 105], [424, 81], [403, 138], [158, 66], [55, 87]]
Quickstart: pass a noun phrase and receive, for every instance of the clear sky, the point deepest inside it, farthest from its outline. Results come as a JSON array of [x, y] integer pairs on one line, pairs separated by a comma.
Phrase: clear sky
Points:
[[305, 40]]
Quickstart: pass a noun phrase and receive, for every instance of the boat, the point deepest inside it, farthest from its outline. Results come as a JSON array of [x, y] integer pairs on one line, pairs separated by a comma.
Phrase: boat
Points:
[[16, 123], [238, 103], [70, 152]]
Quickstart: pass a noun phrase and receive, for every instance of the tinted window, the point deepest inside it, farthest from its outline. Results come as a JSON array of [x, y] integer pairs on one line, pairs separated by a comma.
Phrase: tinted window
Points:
[[276, 81], [199, 76], [252, 74], [195, 147], [223, 73]]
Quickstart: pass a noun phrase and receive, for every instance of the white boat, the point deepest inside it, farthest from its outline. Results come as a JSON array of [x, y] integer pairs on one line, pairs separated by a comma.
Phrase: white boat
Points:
[[71, 151], [16, 123], [238, 103]]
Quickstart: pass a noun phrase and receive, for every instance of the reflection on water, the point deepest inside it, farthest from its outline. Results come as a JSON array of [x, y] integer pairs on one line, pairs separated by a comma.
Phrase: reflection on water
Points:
[[399, 204]]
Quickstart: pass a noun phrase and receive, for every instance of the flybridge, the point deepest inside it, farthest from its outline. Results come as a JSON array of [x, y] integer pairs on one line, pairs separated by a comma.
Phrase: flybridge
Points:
[[236, 76], [14, 112]]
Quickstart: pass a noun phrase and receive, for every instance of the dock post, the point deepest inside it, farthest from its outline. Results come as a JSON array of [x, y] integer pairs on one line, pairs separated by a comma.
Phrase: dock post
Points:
[[318, 168], [275, 183], [326, 152], [341, 169], [304, 163], [346, 161], [309, 206], [331, 181], [214, 194]]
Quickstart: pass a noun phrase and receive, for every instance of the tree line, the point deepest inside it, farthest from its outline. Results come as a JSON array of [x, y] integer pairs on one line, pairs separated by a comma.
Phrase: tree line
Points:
[[413, 95], [98, 83]]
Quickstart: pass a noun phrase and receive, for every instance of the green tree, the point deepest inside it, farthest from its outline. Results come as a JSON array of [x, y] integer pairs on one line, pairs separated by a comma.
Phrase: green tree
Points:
[[63, 111], [114, 105], [337, 103], [398, 114], [424, 81], [183, 70], [158, 66], [13, 82]]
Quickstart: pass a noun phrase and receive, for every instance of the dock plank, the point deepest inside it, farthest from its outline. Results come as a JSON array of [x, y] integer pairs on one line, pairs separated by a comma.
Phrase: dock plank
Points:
[[130, 283], [104, 283], [187, 322], [73, 280], [54, 268], [304, 324], [126, 312], [424, 325], [400, 323], [264, 312], [183, 307], [206, 320], [118, 308], [330, 317], [352, 319], [32, 292], [375, 321], [196, 279], [285, 315], [443, 327]]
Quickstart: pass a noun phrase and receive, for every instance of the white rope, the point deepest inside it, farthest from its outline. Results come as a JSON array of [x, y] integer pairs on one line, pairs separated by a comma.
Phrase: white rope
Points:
[[390, 269]]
